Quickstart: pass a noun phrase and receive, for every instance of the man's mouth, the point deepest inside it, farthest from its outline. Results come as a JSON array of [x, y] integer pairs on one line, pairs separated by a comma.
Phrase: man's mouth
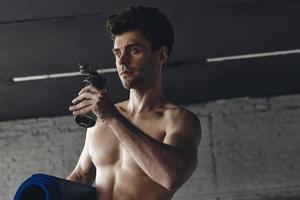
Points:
[[126, 73]]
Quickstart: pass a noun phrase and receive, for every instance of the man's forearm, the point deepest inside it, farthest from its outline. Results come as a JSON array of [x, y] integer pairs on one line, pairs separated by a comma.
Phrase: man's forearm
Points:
[[159, 161], [77, 177], [73, 177]]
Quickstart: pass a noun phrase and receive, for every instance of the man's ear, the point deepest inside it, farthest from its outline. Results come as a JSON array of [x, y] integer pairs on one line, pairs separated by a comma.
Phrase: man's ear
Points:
[[163, 55]]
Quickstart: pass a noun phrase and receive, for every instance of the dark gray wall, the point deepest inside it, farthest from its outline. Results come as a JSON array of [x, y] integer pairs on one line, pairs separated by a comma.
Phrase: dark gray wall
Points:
[[39, 37]]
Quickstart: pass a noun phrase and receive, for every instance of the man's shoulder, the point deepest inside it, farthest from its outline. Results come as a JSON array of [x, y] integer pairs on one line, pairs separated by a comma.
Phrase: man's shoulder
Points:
[[183, 123], [177, 112], [180, 117]]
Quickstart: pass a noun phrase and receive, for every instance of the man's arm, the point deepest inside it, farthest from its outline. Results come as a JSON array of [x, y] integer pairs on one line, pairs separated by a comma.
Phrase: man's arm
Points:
[[169, 163], [85, 171]]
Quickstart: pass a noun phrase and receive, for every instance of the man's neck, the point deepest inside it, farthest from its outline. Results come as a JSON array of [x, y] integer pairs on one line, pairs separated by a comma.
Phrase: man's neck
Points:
[[146, 99]]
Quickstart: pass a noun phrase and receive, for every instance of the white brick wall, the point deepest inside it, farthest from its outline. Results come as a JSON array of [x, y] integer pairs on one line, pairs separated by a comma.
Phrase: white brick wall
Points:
[[249, 150]]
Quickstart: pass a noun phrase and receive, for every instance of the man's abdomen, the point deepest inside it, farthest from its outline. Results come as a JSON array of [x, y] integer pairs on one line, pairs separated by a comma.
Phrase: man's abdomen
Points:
[[118, 182]]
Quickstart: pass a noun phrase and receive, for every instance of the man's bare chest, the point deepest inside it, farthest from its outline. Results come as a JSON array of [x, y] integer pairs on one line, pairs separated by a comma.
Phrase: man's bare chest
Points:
[[105, 148]]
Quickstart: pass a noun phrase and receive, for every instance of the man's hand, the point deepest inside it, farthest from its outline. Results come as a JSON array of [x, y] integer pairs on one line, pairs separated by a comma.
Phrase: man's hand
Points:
[[91, 99]]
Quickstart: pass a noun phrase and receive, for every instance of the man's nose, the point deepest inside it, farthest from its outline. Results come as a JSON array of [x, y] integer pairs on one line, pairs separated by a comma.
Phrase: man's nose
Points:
[[123, 59]]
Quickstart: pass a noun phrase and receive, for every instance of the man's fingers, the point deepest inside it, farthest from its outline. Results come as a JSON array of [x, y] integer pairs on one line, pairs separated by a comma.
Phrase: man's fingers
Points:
[[89, 88], [86, 95], [87, 99], [81, 105], [83, 111]]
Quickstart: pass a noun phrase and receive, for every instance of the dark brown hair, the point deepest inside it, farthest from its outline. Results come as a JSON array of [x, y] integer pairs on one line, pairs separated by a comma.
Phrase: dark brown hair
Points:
[[153, 24]]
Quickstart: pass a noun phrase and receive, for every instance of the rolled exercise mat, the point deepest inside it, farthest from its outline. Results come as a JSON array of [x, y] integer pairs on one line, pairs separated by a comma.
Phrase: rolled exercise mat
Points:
[[45, 187]]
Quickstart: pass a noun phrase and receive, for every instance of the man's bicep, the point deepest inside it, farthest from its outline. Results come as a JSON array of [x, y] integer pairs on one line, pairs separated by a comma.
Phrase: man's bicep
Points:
[[185, 136], [184, 132]]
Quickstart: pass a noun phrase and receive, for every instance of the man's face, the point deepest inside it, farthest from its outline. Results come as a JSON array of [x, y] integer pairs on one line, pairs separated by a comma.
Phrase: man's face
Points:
[[137, 64]]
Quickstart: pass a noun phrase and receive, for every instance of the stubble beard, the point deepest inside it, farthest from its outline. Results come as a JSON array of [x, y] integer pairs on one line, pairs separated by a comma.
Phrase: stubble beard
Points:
[[142, 80], [132, 83], [144, 77]]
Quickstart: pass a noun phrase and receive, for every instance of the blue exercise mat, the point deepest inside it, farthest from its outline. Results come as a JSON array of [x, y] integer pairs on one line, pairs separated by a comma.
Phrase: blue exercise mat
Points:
[[45, 187]]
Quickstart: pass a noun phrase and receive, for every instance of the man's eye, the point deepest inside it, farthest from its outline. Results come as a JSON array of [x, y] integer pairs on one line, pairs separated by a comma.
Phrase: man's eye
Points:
[[133, 50], [116, 53]]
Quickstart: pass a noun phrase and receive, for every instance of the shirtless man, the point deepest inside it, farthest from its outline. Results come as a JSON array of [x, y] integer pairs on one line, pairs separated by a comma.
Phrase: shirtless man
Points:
[[145, 147]]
